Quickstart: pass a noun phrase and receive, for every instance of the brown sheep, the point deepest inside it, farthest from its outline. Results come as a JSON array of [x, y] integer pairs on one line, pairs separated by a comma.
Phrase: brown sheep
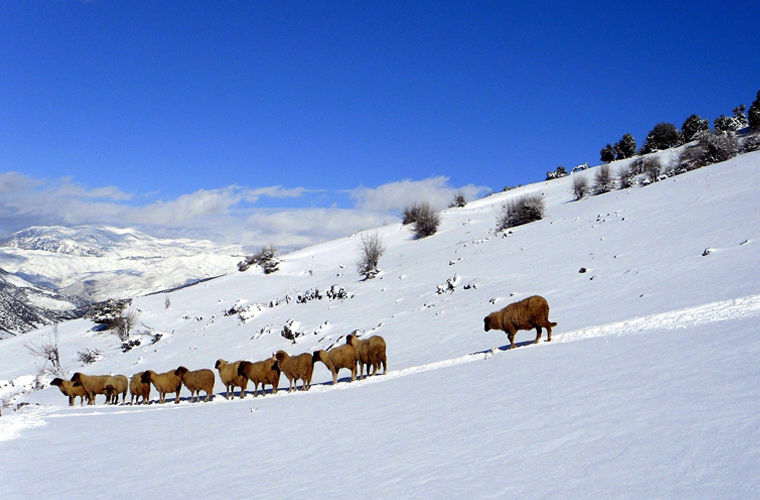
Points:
[[197, 381], [70, 389], [92, 384], [343, 356], [138, 388], [526, 314], [116, 385], [296, 367], [164, 383], [228, 373], [370, 353], [261, 372]]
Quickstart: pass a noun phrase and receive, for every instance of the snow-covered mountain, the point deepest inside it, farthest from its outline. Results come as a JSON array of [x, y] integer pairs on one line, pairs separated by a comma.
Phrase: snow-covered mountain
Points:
[[650, 386], [97, 263], [25, 306]]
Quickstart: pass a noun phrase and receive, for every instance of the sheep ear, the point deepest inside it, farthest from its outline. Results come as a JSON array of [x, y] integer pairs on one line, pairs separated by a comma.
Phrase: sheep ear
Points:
[[217, 363]]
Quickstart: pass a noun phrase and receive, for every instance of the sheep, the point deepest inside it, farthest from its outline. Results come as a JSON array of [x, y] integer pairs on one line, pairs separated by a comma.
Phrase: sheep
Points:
[[370, 353], [296, 367], [138, 388], [526, 314], [261, 372], [92, 384], [164, 383], [343, 356], [70, 389], [197, 381], [228, 373], [116, 384]]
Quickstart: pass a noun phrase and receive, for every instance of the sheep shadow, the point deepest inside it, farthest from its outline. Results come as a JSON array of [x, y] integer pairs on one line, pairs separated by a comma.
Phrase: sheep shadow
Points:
[[503, 348]]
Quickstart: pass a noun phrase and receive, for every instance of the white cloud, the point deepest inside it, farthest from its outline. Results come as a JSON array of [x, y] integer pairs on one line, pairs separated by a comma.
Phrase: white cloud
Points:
[[396, 196], [227, 215]]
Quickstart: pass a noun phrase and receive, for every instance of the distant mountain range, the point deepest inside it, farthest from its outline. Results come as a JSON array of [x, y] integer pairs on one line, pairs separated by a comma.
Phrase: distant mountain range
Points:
[[72, 266]]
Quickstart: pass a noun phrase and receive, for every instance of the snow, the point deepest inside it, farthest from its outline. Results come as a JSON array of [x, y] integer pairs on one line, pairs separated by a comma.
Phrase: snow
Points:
[[649, 388]]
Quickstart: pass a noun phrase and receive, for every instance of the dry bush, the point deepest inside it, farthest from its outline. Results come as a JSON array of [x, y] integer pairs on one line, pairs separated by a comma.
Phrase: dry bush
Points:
[[603, 181], [521, 211], [370, 251], [580, 186]]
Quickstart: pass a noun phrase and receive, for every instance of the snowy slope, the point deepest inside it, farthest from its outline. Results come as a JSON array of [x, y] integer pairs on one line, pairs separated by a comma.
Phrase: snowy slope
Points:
[[650, 386], [97, 263]]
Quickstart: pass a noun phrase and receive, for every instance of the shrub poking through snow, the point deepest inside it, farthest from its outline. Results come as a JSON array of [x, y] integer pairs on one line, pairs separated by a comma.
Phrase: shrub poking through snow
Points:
[[651, 168], [521, 211], [459, 201], [89, 356], [626, 177], [580, 187], [426, 221], [370, 251], [603, 181], [266, 257], [719, 147]]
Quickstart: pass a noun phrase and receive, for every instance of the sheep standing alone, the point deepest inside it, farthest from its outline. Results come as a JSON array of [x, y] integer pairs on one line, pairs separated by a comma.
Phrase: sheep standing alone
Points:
[[138, 388], [370, 353], [115, 385], [70, 389], [526, 314], [295, 368], [336, 358], [197, 381], [228, 373], [261, 372], [164, 383], [92, 384]]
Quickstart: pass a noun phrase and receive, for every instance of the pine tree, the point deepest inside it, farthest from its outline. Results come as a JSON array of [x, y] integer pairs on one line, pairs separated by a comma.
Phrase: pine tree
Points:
[[625, 147], [662, 136], [740, 117], [694, 128], [607, 154], [754, 113]]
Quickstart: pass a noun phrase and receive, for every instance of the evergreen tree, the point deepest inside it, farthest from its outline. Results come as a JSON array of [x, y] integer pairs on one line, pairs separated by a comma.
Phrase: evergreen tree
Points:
[[662, 136], [625, 147], [694, 128], [724, 125], [740, 117], [754, 113], [607, 153]]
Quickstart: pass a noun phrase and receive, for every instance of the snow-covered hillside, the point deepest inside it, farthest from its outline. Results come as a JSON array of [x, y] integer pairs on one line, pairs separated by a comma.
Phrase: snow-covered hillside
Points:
[[97, 263], [649, 388]]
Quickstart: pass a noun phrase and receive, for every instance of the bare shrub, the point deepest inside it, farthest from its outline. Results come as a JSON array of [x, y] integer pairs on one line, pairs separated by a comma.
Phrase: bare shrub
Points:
[[424, 218], [626, 177], [651, 168], [521, 211], [719, 147], [266, 257], [751, 143], [459, 201], [580, 186], [603, 181], [370, 251], [691, 158], [89, 356], [49, 353]]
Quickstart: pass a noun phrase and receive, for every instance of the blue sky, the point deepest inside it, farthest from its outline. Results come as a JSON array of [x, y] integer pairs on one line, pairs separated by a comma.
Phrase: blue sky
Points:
[[293, 122]]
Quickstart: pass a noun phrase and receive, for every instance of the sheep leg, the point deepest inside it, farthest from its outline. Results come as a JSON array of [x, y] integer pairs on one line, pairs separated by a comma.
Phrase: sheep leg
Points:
[[511, 336], [548, 333], [538, 335]]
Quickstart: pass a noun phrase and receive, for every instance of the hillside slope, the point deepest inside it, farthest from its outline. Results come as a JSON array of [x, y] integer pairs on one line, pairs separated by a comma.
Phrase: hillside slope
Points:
[[650, 386]]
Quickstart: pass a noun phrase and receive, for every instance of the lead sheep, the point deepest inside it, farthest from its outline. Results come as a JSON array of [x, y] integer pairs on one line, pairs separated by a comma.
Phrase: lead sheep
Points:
[[343, 356], [295, 368], [261, 372], [70, 389], [228, 373], [526, 314], [138, 388], [197, 381], [370, 353], [115, 385], [92, 384], [164, 383]]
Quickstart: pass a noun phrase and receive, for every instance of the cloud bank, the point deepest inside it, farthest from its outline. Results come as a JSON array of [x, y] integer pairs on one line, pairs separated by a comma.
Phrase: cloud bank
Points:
[[233, 214]]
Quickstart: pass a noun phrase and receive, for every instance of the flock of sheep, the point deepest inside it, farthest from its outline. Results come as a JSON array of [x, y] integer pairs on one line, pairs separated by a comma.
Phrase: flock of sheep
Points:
[[355, 355]]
